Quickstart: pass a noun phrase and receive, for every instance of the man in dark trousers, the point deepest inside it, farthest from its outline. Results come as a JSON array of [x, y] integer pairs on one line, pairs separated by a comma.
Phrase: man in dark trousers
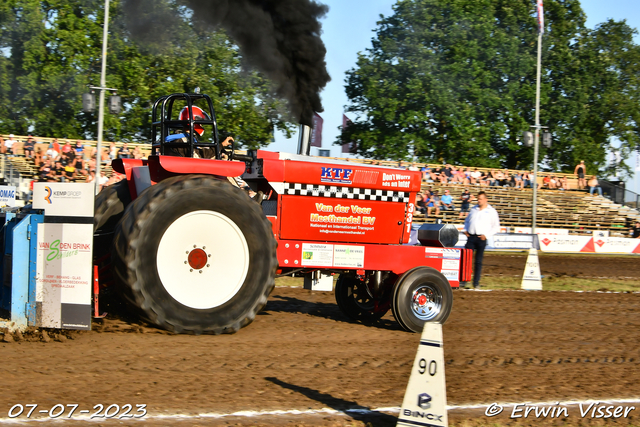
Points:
[[481, 224]]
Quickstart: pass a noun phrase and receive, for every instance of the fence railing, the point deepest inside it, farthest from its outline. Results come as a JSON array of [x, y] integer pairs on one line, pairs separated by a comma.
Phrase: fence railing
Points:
[[619, 194]]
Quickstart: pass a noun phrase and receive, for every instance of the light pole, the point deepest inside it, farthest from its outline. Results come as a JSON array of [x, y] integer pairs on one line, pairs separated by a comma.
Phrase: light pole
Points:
[[536, 138], [103, 82]]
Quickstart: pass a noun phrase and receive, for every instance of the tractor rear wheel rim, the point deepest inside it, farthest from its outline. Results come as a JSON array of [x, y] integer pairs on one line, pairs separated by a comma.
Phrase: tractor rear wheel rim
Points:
[[426, 302], [202, 259]]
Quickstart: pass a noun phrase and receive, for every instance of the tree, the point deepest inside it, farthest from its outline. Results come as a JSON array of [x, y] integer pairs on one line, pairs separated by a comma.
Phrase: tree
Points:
[[51, 53], [454, 81]]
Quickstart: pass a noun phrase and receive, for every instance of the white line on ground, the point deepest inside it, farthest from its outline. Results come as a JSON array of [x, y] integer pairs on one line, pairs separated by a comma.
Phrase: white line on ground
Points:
[[323, 411]]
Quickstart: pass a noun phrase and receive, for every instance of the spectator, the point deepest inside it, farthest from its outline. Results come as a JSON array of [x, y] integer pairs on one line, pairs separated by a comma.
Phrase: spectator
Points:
[[91, 177], [442, 176], [481, 224], [9, 145], [580, 171], [79, 149], [125, 153], [421, 207], [518, 181], [91, 163], [137, 153], [553, 183], [564, 183], [102, 181], [79, 165], [52, 153], [67, 148], [475, 177], [433, 202], [448, 171], [59, 172], [527, 177], [635, 231], [56, 145], [45, 170], [594, 185], [491, 178], [426, 173], [413, 167], [113, 151], [28, 148], [546, 181], [38, 157], [447, 201], [3, 149], [465, 198]]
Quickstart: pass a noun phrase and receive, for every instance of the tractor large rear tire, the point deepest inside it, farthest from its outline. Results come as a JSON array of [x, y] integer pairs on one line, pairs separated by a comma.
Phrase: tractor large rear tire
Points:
[[197, 255], [110, 205]]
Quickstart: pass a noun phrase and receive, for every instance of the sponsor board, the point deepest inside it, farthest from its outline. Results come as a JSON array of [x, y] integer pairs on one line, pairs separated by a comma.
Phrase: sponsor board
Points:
[[336, 175], [7, 196], [566, 243], [64, 199], [618, 245], [64, 276], [451, 264], [348, 256], [451, 275], [317, 255]]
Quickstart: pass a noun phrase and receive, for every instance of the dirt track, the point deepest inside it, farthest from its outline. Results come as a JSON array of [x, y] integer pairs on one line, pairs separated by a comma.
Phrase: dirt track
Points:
[[302, 353]]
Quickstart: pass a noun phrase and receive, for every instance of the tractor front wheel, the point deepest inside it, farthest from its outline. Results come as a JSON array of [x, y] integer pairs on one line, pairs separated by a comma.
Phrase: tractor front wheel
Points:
[[421, 295], [197, 255]]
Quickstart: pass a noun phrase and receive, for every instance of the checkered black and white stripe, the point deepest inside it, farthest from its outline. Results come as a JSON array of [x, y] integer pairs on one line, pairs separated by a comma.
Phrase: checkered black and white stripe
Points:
[[346, 192]]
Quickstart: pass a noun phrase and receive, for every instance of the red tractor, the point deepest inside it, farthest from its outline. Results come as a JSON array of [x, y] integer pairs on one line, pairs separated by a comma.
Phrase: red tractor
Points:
[[192, 252]]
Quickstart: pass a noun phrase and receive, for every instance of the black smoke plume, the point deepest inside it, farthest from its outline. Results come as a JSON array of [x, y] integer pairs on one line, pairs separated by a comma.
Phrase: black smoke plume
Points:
[[280, 38]]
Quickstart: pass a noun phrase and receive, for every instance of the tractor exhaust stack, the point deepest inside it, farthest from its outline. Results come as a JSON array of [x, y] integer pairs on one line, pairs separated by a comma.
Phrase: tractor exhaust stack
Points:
[[304, 140]]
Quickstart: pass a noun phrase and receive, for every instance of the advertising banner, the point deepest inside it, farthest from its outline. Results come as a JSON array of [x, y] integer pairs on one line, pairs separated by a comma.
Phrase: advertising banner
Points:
[[7, 196], [566, 243], [63, 275], [64, 255], [617, 245]]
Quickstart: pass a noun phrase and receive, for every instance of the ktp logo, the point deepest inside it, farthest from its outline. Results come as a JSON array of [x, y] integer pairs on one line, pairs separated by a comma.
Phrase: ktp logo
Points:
[[48, 196], [546, 241], [340, 175], [599, 243], [424, 401]]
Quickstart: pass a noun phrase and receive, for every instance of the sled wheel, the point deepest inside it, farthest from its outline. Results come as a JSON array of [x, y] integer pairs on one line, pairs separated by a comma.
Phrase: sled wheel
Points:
[[422, 295], [197, 254], [354, 300]]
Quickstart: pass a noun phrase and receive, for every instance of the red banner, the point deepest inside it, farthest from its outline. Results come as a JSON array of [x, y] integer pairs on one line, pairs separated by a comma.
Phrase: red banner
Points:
[[341, 220], [346, 148], [541, 16], [316, 132]]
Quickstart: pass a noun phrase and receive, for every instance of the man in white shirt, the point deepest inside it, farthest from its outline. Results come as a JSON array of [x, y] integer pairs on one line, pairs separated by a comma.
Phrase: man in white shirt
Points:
[[9, 144], [481, 224]]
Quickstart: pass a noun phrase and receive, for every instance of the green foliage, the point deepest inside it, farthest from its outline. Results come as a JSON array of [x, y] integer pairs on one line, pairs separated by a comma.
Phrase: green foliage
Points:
[[51, 53], [455, 81]]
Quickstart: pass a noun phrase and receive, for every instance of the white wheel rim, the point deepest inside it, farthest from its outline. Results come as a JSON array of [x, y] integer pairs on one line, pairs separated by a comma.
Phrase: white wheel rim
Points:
[[227, 259]]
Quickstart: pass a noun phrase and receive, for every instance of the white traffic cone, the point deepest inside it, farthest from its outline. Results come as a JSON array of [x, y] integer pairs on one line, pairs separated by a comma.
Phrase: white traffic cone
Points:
[[425, 401], [531, 279]]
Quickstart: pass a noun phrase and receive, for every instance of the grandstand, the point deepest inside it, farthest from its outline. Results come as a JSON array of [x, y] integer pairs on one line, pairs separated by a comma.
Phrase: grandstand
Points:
[[576, 211]]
